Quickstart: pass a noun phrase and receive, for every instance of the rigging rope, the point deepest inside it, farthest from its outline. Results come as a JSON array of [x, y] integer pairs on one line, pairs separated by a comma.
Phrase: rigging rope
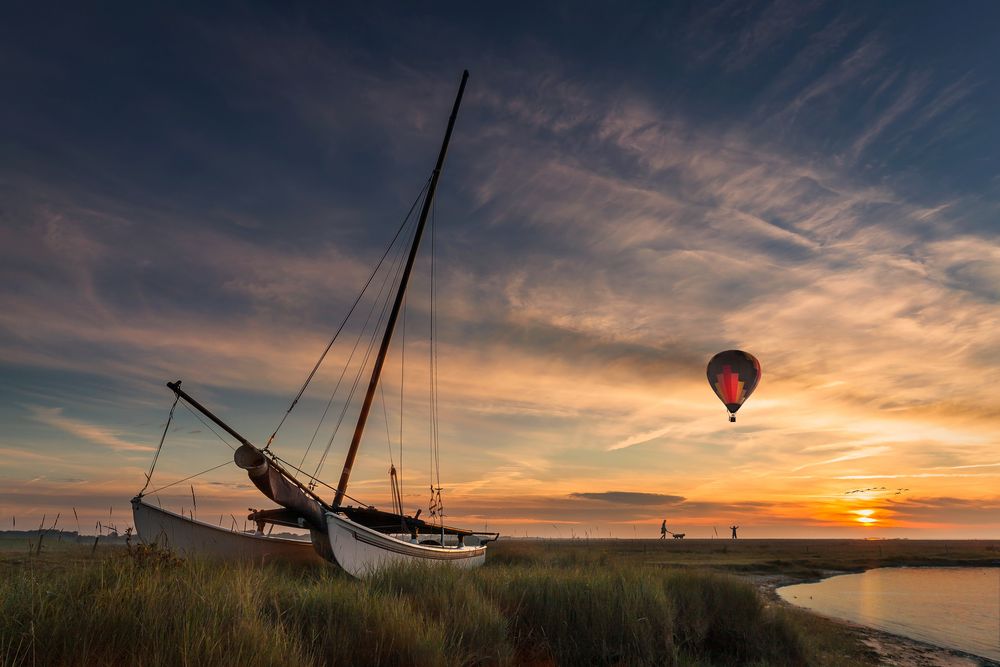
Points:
[[224, 463], [209, 427], [385, 417], [436, 507], [357, 341], [312, 373], [159, 448], [396, 477], [402, 383], [364, 363], [315, 481]]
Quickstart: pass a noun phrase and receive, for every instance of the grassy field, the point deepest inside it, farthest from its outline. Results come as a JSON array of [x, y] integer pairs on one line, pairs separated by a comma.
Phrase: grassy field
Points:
[[612, 602], [799, 559]]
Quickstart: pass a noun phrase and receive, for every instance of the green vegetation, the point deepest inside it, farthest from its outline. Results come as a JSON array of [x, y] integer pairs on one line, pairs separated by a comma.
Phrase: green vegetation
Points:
[[798, 559], [538, 603]]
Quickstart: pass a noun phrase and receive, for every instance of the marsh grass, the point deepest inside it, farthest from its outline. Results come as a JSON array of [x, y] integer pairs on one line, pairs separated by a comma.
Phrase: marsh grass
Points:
[[153, 609]]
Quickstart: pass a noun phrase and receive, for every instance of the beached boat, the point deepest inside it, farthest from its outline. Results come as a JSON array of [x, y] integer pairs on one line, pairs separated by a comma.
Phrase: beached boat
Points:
[[196, 539], [361, 550], [192, 538], [361, 538]]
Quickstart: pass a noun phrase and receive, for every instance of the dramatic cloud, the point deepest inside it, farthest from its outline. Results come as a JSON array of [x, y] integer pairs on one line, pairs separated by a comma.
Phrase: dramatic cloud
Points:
[[91, 432], [789, 178]]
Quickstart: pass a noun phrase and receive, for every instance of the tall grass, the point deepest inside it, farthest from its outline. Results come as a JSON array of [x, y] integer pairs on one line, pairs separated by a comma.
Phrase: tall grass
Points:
[[113, 611], [118, 609]]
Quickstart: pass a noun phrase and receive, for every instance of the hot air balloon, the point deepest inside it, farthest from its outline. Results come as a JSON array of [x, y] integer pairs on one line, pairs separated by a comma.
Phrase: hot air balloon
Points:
[[734, 375]]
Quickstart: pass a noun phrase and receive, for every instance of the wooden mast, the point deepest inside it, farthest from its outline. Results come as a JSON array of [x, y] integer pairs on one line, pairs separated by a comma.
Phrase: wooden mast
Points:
[[387, 337]]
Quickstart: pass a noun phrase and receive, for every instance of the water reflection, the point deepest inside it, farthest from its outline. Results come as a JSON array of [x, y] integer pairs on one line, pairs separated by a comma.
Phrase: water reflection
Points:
[[954, 607]]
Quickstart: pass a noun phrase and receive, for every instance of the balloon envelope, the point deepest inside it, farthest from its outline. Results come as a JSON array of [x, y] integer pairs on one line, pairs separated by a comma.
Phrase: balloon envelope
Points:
[[734, 375]]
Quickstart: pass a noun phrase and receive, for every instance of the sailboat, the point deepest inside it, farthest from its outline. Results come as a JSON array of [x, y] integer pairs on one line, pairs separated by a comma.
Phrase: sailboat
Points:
[[360, 538], [189, 537]]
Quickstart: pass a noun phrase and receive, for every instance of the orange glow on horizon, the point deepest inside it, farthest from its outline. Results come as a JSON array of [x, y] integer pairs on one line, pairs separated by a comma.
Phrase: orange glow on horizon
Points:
[[865, 517]]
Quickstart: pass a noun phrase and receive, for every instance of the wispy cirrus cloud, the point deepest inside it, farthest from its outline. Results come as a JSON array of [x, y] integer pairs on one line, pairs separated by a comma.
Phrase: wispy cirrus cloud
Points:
[[93, 433], [599, 237], [862, 453]]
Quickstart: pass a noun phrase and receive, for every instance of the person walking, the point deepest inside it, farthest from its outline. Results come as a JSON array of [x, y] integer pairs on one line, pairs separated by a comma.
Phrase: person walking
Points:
[[733, 528], [663, 530]]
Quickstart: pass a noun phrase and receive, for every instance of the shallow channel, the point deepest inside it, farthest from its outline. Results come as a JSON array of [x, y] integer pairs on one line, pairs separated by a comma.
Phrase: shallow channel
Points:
[[954, 607]]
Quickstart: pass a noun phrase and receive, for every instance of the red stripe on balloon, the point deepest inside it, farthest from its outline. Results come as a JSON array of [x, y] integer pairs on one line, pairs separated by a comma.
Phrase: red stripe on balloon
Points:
[[730, 384]]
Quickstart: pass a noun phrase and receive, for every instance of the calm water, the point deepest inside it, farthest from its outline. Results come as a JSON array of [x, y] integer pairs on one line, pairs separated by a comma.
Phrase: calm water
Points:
[[956, 607]]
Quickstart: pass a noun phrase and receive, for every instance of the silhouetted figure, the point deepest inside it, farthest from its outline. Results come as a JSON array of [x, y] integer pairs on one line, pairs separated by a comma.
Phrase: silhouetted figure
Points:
[[733, 528], [663, 530]]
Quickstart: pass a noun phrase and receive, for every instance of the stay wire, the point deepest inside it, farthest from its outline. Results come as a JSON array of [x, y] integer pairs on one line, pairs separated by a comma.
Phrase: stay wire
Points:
[[397, 488], [438, 504], [364, 364], [208, 426], [385, 418], [397, 267], [159, 448], [434, 341], [357, 341], [312, 373], [402, 383], [350, 395], [316, 481], [203, 472], [353, 390]]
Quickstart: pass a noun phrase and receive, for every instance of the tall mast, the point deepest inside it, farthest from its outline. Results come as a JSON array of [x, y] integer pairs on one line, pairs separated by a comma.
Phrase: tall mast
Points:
[[387, 337]]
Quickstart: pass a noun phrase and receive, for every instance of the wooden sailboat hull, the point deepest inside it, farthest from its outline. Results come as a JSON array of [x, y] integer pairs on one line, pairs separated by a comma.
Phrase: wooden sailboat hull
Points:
[[197, 539], [361, 551]]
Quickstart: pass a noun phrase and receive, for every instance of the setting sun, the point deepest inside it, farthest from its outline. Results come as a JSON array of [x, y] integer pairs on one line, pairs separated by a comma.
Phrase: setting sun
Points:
[[865, 517]]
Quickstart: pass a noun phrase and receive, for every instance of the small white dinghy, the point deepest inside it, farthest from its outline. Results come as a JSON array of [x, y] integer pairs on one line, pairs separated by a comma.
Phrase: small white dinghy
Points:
[[362, 551], [196, 539]]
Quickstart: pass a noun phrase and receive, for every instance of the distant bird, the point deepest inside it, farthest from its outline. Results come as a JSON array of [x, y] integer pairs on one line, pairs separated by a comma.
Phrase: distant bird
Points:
[[868, 490]]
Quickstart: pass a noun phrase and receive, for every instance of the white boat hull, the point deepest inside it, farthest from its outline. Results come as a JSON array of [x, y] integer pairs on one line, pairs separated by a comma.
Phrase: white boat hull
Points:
[[195, 539], [362, 551]]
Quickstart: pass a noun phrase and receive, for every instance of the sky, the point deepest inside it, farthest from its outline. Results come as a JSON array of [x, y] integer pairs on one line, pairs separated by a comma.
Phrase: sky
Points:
[[199, 191]]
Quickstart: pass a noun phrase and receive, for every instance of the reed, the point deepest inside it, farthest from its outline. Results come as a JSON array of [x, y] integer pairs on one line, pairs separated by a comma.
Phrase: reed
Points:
[[148, 607]]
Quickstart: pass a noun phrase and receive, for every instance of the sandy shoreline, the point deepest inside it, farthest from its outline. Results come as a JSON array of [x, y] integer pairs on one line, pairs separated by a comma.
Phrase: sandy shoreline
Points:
[[893, 650]]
